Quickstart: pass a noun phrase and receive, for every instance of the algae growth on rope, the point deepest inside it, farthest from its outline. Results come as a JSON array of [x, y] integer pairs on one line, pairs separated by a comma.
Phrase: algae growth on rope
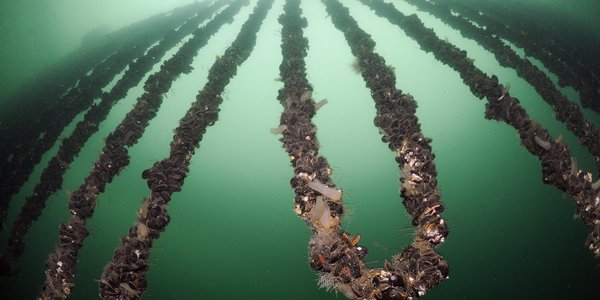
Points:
[[403, 183]]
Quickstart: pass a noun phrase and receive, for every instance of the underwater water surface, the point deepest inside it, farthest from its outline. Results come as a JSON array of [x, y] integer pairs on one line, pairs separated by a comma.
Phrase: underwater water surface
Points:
[[233, 232]]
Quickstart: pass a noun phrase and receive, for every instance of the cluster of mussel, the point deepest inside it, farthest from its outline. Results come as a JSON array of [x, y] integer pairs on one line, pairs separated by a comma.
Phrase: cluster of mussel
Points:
[[558, 167], [51, 102], [575, 65], [418, 267], [124, 277], [114, 156], [72, 102], [334, 252], [566, 111], [82, 201]]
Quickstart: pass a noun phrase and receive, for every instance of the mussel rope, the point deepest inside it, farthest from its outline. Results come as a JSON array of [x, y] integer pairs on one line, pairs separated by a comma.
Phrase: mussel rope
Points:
[[586, 86], [334, 252], [558, 167], [51, 179], [37, 99], [124, 277], [65, 110], [565, 111], [60, 266]]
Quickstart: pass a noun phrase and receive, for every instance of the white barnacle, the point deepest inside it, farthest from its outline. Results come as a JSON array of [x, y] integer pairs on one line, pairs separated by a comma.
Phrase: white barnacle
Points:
[[542, 143], [142, 231], [331, 193], [125, 286], [321, 215], [505, 90], [596, 186], [574, 167], [320, 104], [280, 129], [306, 95]]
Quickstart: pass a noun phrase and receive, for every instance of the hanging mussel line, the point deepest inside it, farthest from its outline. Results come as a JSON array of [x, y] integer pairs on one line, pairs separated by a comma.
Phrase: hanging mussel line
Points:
[[558, 167], [52, 176], [334, 252], [565, 111], [60, 266], [572, 66], [78, 99], [124, 277], [576, 51], [418, 268], [38, 99]]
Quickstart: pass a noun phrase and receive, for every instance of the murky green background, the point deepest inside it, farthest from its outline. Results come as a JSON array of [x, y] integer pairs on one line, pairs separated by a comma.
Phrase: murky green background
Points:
[[234, 234]]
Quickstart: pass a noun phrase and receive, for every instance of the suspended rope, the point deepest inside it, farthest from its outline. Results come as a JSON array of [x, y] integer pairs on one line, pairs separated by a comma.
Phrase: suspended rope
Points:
[[334, 252], [558, 167], [52, 177], [587, 86], [35, 97], [60, 266], [64, 111], [124, 277], [566, 111], [43, 103], [575, 49], [317, 201]]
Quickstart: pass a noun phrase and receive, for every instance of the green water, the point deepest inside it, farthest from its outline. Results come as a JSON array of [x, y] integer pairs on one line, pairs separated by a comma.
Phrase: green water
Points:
[[234, 234]]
